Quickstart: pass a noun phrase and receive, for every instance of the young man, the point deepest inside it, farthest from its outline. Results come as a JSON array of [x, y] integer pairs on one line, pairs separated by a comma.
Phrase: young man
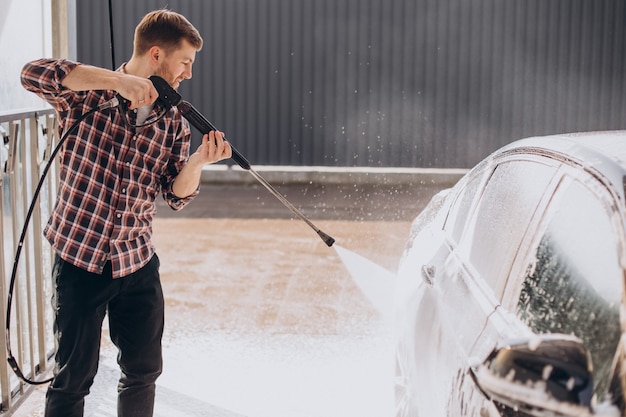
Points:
[[101, 225]]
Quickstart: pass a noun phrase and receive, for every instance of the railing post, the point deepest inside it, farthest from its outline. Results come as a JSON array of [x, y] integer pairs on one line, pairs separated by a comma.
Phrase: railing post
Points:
[[27, 308], [38, 248], [17, 184], [53, 138], [5, 386]]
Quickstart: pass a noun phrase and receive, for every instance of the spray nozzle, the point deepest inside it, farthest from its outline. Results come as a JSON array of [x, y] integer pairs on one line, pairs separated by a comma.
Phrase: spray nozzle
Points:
[[326, 238]]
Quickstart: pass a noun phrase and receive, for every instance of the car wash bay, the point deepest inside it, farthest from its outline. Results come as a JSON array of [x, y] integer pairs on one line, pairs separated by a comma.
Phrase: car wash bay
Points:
[[262, 318]]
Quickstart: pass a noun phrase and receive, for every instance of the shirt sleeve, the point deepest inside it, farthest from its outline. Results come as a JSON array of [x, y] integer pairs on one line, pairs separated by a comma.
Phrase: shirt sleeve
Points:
[[178, 159], [44, 76]]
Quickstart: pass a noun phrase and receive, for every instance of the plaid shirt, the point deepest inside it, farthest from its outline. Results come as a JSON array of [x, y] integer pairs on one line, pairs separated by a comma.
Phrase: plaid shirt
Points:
[[110, 174]]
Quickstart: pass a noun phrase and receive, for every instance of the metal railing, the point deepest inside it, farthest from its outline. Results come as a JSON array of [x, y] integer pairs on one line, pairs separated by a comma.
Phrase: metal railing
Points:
[[28, 139]]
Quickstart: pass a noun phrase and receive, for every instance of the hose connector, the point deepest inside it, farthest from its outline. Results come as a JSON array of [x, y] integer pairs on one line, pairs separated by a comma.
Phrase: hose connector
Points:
[[114, 102]]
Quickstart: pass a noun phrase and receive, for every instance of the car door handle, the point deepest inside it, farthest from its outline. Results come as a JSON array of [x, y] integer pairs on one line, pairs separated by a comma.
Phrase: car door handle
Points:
[[428, 274]]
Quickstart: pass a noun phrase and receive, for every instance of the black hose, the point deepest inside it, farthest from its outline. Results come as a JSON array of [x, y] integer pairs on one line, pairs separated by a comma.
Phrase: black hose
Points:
[[113, 64]]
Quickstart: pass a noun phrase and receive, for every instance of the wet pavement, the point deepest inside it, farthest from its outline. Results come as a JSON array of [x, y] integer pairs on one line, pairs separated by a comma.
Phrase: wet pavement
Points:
[[262, 318]]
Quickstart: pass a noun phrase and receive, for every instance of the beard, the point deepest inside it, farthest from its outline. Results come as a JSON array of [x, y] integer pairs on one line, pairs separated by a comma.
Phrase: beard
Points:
[[164, 72]]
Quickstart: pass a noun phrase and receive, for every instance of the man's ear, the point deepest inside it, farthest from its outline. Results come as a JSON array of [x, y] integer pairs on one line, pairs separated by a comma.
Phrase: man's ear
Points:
[[156, 55]]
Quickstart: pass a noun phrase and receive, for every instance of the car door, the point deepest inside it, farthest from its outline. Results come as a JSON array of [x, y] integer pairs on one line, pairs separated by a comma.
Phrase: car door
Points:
[[491, 236], [425, 351]]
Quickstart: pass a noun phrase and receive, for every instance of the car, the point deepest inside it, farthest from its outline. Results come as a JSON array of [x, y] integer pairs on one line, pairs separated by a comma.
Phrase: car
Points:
[[509, 299]]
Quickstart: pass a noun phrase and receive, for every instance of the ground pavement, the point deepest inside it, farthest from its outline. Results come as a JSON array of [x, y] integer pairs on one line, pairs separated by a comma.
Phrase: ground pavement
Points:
[[262, 318]]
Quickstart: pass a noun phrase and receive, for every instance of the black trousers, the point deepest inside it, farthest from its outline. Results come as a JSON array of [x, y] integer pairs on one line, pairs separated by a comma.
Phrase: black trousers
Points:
[[135, 308]]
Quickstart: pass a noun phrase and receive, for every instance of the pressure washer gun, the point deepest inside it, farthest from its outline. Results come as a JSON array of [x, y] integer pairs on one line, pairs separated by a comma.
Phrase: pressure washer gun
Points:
[[170, 97]]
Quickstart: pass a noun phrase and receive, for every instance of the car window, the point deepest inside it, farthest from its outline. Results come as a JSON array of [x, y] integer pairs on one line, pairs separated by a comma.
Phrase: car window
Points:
[[462, 207], [574, 284], [503, 215]]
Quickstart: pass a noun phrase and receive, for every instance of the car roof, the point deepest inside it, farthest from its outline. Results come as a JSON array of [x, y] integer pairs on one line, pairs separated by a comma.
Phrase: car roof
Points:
[[603, 152]]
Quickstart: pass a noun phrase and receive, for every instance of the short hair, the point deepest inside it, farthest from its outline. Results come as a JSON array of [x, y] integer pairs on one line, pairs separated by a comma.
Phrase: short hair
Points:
[[166, 29]]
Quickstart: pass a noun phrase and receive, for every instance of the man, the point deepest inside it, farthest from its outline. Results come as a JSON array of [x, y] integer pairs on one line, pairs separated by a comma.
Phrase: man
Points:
[[113, 166]]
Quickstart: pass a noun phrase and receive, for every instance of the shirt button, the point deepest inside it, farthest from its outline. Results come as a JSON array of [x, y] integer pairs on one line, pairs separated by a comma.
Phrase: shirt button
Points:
[[119, 215], [124, 190], [127, 164]]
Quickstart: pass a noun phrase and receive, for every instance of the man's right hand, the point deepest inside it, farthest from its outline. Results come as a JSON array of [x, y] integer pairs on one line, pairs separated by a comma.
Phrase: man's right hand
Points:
[[137, 90]]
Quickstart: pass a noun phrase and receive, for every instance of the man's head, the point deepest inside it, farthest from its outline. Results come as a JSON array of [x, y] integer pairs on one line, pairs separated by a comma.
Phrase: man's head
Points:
[[165, 45], [165, 29]]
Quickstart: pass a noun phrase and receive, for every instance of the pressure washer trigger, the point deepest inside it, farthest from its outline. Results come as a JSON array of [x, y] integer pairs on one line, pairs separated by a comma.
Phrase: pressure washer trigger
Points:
[[167, 95]]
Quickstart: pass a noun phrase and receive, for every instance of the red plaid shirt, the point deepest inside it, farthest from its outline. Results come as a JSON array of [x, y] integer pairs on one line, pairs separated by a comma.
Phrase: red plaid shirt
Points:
[[110, 174]]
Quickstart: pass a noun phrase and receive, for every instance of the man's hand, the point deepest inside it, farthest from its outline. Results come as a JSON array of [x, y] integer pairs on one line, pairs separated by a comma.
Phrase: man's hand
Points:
[[137, 90], [213, 148]]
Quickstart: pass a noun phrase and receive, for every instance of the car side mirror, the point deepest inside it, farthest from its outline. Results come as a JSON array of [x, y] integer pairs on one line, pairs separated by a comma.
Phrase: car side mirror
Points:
[[547, 375]]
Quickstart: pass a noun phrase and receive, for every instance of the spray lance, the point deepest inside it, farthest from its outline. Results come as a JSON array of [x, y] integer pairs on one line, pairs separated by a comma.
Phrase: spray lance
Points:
[[170, 97]]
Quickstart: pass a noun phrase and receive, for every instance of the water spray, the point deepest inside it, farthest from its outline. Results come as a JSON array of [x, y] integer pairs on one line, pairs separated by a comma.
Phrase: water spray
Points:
[[171, 98]]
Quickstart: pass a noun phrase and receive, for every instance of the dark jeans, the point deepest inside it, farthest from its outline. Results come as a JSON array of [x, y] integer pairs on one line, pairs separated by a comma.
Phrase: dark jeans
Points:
[[135, 308]]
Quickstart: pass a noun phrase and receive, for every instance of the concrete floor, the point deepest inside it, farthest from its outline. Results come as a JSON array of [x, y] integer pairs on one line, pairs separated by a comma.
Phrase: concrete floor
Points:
[[262, 318]]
